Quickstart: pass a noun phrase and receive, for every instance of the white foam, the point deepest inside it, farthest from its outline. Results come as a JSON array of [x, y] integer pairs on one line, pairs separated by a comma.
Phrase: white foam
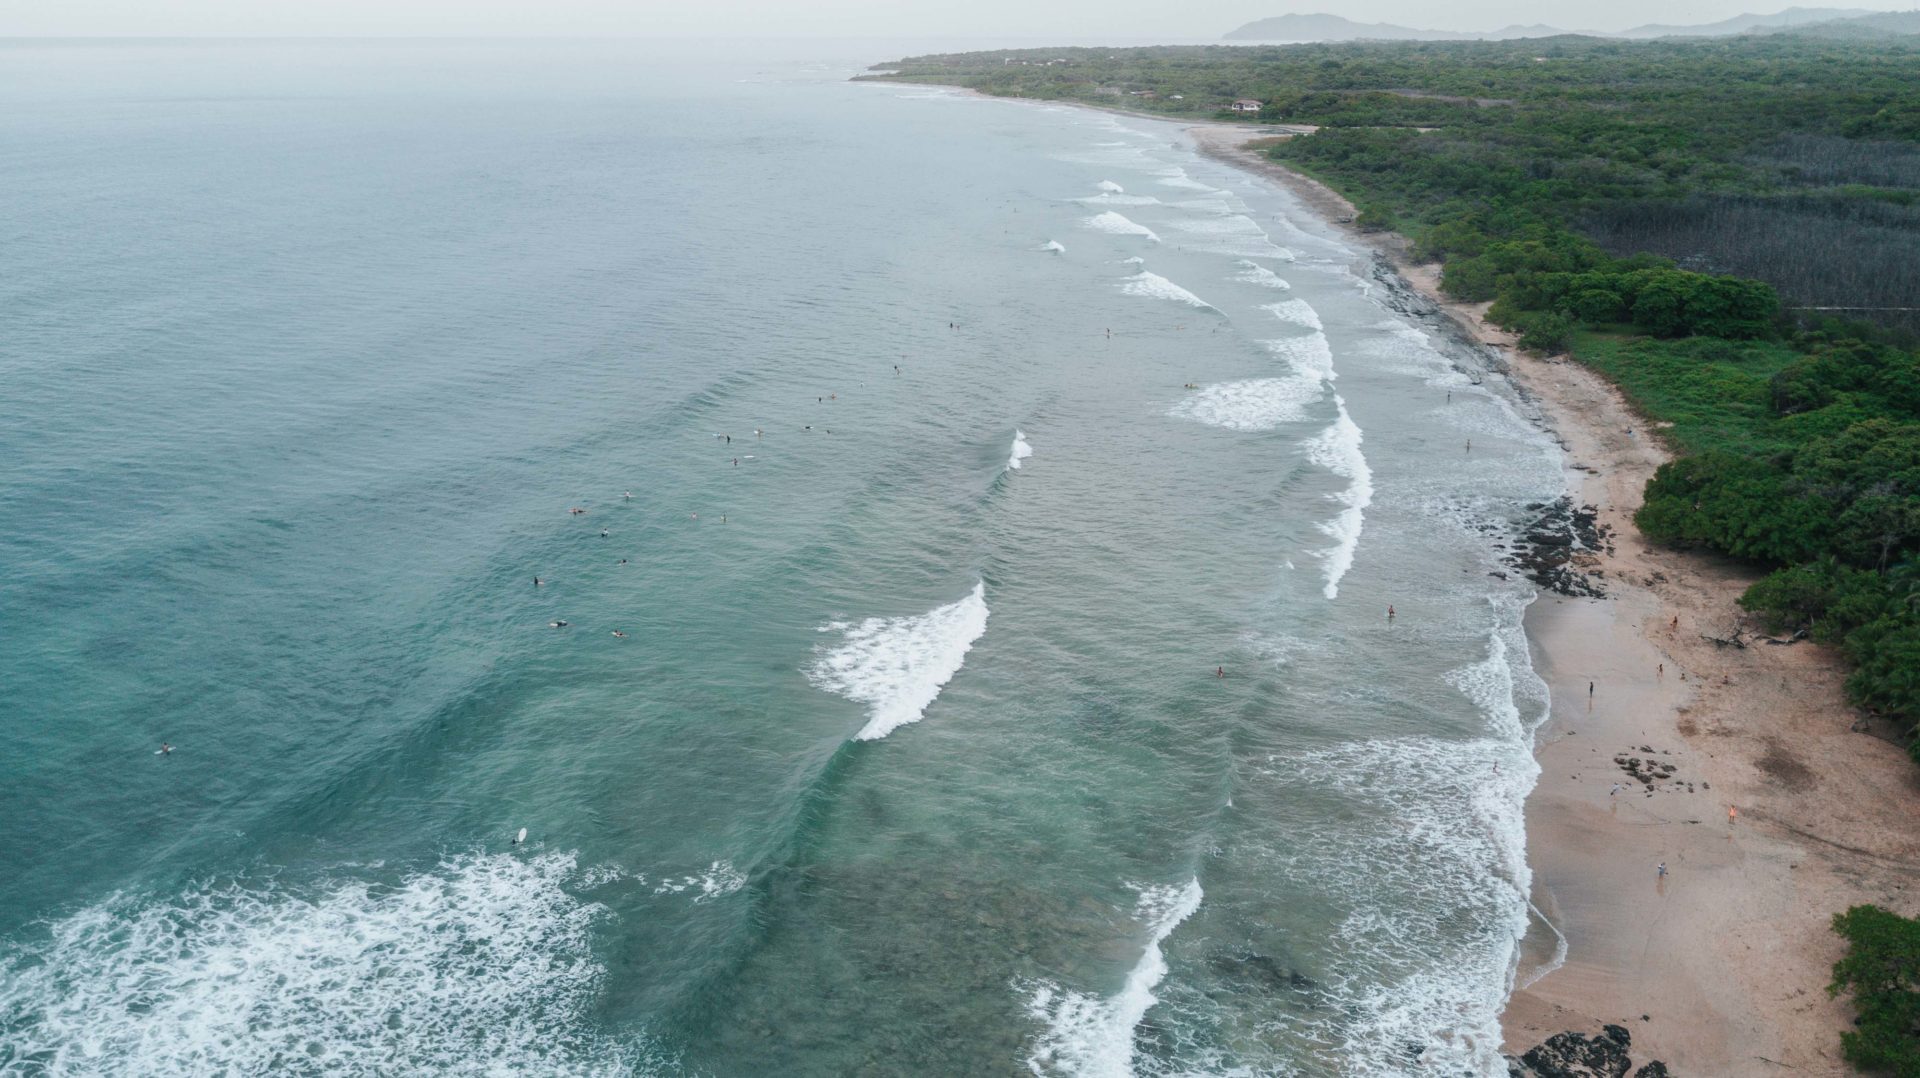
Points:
[[1153, 286], [1021, 450], [897, 666], [1231, 234], [1110, 187], [1449, 829], [1252, 404], [1119, 226], [1232, 224], [1090, 1036], [1054, 246], [1295, 311], [720, 879], [482, 965], [1338, 450], [1119, 200], [1178, 177], [1254, 273], [1310, 354]]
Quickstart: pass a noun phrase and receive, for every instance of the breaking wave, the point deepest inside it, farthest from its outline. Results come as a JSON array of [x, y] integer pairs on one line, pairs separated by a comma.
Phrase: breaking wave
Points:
[[1296, 312], [1337, 449], [1119, 225], [1091, 1036], [1021, 450], [482, 965], [1252, 404], [1254, 273], [1154, 286], [897, 666]]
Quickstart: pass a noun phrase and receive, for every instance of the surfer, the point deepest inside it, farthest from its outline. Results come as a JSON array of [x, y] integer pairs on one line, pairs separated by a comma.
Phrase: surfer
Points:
[[603, 533], [756, 433], [556, 624], [736, 462], [620, 634], [536, 582], [629, 495], [165, 750], [623, 561], [1220, 671], [1389, 611], [576, 510]]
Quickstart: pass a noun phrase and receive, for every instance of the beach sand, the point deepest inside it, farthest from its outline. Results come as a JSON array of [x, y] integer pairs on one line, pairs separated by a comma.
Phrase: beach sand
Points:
[[1720, 968]]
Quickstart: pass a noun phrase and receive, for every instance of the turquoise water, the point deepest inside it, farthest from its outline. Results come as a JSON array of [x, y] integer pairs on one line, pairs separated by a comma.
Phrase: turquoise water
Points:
[[910, 760]]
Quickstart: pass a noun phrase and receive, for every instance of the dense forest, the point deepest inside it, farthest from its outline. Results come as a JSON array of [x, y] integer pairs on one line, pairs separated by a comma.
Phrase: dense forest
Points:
[[1728, 229]]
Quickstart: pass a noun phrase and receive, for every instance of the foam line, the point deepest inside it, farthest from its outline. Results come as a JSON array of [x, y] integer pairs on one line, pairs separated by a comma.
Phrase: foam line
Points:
[[1338, 450], [1154, 286], [483, 964], [1119, 225], [1092, 1037], [897, 666]]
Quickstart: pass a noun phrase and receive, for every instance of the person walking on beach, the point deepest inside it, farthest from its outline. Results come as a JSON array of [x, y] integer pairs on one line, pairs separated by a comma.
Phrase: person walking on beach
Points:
[[1661, 872], [1732, 814], [1616, 789], [1661, 671], [1589, 690]]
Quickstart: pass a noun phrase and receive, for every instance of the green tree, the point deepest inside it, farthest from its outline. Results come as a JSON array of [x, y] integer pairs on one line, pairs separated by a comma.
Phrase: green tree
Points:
[[1882, 971]]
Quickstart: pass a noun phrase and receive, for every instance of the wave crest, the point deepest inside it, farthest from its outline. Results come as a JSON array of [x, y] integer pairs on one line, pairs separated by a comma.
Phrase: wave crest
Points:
[[897, 666]]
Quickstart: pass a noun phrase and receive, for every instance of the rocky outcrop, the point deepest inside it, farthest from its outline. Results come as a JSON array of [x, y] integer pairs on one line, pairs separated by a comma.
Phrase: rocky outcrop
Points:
[[1573, 1055]]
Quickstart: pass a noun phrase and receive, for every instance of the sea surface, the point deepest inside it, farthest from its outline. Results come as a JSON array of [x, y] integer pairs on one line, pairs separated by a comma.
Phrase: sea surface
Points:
[[1001, 505]]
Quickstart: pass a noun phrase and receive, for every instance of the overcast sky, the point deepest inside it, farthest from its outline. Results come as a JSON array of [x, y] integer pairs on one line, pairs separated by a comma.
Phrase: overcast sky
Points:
[[1065, 20]]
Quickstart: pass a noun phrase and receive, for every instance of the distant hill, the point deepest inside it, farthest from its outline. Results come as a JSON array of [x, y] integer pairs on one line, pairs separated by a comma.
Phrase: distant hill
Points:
[[1878, 25], [1322, 27], [1741, 24]]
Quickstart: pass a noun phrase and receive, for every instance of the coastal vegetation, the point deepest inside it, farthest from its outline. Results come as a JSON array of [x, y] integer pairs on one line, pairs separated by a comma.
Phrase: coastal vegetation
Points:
[[1882, 971], [1728, 229]]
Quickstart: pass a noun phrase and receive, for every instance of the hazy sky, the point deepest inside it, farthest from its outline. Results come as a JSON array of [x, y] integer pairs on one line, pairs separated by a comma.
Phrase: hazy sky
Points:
[[1064, 20]]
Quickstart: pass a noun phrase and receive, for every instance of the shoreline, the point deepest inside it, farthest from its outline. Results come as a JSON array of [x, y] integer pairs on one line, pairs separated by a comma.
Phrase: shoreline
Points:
[[1721, 967]]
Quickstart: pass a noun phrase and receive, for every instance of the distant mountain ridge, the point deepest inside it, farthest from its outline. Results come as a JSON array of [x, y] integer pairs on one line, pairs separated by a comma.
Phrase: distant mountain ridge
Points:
[[1319, 26], [1323, 27]]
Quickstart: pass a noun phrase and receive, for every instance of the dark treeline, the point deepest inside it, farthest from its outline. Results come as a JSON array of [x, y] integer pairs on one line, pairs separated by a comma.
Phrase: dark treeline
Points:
[[1664, 210], [1821, 251]]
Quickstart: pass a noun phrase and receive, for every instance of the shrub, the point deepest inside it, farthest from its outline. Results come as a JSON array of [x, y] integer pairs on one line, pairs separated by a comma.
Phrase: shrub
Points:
[[1882, 970]]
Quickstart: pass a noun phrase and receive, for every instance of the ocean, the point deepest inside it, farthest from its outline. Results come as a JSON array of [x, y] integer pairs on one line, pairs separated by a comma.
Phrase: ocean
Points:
[[976, 655]]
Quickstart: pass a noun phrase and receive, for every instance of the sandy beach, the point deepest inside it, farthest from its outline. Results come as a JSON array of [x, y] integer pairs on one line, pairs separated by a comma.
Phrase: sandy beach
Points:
[[1661, 724]]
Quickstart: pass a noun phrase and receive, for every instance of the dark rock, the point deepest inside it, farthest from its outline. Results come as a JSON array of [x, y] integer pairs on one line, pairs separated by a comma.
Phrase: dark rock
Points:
[[1655, 1069], [1571, 1055]]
